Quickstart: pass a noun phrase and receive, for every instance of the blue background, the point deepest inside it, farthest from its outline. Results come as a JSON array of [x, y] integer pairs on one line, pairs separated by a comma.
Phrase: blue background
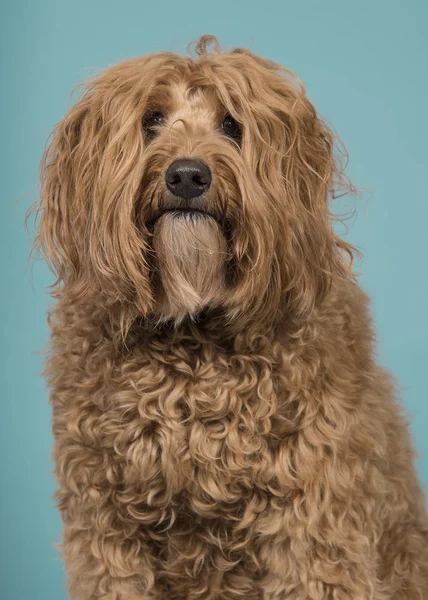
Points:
[[364, 65]]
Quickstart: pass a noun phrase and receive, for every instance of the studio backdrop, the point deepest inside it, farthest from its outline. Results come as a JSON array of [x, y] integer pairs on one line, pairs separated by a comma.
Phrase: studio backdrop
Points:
[[364, 67]]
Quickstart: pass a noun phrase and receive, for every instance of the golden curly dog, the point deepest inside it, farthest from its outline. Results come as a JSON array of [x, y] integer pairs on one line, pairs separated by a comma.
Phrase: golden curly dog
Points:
[[222, 430]]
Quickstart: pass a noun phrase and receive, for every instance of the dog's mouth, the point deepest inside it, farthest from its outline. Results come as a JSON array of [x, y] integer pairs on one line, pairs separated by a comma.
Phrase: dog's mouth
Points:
[[184, 212]]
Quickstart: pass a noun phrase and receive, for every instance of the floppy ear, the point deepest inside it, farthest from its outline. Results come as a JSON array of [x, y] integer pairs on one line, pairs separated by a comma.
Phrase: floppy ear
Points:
[[60, 209], [90, 177], [311, 172], [300, 156]]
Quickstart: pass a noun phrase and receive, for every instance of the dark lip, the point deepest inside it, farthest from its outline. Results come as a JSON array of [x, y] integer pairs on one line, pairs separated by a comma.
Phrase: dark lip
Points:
[[182, 210]]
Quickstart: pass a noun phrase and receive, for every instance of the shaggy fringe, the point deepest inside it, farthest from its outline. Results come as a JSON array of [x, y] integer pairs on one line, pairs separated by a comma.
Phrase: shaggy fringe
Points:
[[97, 156]]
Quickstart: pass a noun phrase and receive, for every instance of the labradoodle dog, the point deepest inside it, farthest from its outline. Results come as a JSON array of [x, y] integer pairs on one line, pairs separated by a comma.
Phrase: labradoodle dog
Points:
[[222, 430]]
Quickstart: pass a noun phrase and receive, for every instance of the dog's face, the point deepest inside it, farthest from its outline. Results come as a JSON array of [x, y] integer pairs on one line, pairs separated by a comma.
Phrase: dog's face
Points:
[[192, 195], [175, 185]]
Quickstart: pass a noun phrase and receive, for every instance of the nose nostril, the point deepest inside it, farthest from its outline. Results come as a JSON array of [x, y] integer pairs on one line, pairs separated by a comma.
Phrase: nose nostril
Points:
[[199, 179], [174, 179]]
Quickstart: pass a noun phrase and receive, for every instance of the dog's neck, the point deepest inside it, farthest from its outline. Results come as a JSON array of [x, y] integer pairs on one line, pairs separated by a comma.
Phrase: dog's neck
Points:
[[127, 330]]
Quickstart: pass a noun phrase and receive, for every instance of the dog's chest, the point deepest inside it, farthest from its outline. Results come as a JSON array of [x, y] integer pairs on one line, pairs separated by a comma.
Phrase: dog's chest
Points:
[[201, 429]]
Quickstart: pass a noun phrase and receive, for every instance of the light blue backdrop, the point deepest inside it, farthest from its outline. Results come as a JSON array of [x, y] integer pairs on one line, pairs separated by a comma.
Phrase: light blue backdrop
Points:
[[364, 65]]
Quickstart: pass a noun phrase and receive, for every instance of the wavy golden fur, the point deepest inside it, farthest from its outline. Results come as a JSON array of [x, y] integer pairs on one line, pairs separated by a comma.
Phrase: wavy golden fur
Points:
[[222, 430]]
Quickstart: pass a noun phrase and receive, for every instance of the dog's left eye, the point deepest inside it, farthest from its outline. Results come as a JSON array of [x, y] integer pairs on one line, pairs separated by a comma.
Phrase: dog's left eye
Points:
[[232, 128], [152, 120]]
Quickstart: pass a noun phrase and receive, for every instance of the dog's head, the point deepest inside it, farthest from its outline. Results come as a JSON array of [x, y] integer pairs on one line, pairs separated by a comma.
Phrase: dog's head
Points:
[[177, 184]]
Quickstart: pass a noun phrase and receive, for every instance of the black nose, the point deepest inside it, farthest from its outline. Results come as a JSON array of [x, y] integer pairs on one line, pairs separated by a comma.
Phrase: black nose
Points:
[[188, 178]]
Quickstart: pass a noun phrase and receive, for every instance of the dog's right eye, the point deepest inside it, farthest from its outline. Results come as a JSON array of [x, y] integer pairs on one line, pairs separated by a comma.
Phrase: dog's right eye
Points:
[[151, 121]]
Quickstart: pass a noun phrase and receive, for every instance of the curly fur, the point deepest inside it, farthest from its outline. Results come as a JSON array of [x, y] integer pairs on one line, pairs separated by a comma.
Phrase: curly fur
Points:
[[222, 429]]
